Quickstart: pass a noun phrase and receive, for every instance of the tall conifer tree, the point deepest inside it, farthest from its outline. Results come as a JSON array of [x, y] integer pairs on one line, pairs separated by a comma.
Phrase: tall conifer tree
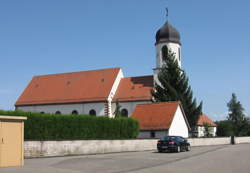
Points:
[[174, 86], [236, 116], [117, 110]]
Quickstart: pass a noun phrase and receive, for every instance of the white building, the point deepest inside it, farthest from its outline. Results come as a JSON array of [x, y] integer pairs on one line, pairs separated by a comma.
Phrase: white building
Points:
[[95, 92], [205, 122], [89, 92], [161, 119]]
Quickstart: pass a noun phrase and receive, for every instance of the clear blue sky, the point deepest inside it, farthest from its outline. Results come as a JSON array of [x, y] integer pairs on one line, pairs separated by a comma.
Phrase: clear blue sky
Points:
[[55, 36]]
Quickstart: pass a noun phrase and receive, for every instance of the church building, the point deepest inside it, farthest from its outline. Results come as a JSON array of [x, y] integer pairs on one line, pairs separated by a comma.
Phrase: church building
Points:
[[96, 92]]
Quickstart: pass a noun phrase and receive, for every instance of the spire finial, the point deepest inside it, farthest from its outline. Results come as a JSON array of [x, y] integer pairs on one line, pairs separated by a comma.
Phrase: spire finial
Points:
[[167, 13]]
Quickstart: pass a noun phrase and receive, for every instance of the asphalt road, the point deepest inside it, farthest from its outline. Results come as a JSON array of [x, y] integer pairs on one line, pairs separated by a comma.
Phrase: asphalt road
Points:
[[211, 159]]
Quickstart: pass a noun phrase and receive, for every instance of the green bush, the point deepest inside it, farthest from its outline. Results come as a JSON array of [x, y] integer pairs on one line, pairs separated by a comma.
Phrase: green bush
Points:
[[224, 128], [75, 127]]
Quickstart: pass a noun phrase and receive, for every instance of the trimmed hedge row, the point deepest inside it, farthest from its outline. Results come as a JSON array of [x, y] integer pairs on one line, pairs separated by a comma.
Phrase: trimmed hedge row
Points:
[[75, 127]]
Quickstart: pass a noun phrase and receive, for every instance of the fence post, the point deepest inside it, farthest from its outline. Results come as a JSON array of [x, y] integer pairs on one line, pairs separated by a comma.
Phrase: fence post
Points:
[[232, 140]]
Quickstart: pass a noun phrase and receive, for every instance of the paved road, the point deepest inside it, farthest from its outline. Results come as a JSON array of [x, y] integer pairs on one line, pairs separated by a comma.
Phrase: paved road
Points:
[[212, 159]]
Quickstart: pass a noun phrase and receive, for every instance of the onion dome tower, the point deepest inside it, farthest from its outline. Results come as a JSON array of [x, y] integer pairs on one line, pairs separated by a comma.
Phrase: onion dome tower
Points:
[[168, 38]]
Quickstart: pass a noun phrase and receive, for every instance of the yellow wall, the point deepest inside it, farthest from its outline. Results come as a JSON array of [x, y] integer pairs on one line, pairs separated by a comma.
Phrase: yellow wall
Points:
[[11, 141]]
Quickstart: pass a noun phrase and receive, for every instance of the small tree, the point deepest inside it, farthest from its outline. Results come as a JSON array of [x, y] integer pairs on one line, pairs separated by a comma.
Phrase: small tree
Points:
[[245, 127], [174, 87], [207, 130], [117, 110], [224, 128], [236, 116]]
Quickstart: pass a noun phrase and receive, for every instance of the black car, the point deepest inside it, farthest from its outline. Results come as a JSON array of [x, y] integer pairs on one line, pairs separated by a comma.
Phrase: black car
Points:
[[173, 143]]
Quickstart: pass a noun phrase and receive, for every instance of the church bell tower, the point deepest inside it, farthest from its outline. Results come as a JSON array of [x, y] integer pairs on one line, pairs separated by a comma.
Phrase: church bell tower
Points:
[[167, 38]]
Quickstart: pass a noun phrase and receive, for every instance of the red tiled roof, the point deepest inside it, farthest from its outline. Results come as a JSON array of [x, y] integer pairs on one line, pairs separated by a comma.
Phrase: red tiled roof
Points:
[[204, 119], [134, 89], [85, 86], [155, 116]]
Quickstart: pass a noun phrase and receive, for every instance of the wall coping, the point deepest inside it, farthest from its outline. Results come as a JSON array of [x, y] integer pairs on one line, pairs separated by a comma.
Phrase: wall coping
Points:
[[4, 117]]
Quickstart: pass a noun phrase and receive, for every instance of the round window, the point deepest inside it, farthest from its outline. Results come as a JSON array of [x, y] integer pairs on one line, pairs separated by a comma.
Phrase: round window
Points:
[[92, 112], [58, 112], [124, 113], [74, 112]]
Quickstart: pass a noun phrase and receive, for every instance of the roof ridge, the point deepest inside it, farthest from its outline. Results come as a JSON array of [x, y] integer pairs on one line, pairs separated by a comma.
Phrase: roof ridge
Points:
[[139, 76], [158, 103], [155, 116], [57, 88], [76, 72], [203, 118]]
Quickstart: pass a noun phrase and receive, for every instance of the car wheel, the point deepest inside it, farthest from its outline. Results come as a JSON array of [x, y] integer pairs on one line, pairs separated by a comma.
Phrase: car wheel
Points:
[[178, 149], [188, 148], [160, 151]]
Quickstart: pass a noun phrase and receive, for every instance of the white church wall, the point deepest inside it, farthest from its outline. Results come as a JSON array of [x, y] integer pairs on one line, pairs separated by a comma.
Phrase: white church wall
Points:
[[130, 106], [81, 108], [178, 126], [98, 107], [174, 47]]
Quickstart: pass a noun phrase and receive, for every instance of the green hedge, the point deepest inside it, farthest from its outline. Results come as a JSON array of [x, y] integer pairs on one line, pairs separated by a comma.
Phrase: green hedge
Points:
[[75, 127]]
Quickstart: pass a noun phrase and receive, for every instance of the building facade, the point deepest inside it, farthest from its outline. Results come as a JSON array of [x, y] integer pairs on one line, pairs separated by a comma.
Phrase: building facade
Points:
[[96, 92], [205, 127], [161, 119]]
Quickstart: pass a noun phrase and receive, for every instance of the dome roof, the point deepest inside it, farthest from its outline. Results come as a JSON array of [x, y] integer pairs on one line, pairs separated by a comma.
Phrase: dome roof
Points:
[[167, 33]]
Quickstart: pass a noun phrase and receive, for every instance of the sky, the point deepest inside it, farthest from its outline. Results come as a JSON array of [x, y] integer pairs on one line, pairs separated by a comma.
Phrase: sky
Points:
[[56, 36]]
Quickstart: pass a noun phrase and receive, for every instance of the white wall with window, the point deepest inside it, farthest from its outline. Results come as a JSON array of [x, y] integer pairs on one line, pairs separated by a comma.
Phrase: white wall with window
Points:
[[201, 132], [129, 106], [81, 108], [173, 47]]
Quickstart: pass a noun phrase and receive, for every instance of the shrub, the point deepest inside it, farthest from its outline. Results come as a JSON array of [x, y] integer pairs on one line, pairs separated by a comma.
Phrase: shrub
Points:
[[75, 127], [224, 128]]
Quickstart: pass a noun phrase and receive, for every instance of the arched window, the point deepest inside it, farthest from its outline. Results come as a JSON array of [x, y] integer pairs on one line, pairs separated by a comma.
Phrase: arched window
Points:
[[152, 134], [124, 113], [164, 51], [74, 112], [58, 112], [92, 112]]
